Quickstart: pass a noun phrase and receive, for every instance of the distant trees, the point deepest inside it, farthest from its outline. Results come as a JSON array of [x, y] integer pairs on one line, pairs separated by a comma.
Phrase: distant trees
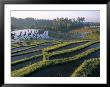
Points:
[[80, 19], [65, 24], [58, 24]]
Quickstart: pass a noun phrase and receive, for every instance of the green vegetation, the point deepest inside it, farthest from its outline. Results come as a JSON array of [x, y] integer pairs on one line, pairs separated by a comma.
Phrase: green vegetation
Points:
[[35, 45], [22, 53], [28, 48], [14, 47], [35, 42], [57, 24], [23, 49], [44, 53], [37, 66], [47, 55], [29, 43], [71, 50], [26, 59], [55, 42], [57, 46], [95, 35], [87, 68]]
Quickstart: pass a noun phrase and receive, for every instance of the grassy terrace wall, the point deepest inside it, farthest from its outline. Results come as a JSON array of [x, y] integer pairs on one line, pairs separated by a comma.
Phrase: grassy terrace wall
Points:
[[68, 50], [22, 53], [57, 46], [32, 46], [87, 68], [45, 54], [37, 66], [26, 59]]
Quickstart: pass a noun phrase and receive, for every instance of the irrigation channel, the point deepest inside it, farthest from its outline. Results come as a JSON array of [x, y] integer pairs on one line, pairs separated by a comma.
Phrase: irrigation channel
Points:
[[23, 64]]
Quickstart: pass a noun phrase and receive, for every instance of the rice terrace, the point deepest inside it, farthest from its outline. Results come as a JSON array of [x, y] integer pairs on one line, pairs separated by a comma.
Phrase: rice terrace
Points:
[[62, 46]]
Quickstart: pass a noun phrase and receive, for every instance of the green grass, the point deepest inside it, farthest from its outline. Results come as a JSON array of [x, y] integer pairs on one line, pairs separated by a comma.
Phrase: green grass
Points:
[[87, 68], [57, 46], [45, 54], [71, 50], [25, 59], [31, 46], [15, 47], [29, 43], [95, 35], [23, 53], [37, 66], [23, 49]]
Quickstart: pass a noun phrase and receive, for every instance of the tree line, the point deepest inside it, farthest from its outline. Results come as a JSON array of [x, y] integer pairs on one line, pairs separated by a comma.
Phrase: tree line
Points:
[[58, 24]]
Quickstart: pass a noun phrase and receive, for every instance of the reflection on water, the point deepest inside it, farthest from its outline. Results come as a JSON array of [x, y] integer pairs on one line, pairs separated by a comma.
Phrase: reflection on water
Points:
[[28, 34], [18, 66], [75, 53], [62, 70], [24, 64]]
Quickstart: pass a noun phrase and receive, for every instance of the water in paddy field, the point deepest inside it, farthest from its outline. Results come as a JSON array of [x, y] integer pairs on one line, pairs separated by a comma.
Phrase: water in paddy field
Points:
[[18, 66], [14, 58], [62, 70], [75, 53], [69, 46], [34, 48], [18, 48], [24, 64], [27, 34], [41, 34], [31, 54]]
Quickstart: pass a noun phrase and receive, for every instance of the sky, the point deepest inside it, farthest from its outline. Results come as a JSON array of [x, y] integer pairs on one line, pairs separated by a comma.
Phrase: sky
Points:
[[90, 16]]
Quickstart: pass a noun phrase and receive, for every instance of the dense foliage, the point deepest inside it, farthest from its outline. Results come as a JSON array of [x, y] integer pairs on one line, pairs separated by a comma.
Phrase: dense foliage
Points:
[[58, 24]]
